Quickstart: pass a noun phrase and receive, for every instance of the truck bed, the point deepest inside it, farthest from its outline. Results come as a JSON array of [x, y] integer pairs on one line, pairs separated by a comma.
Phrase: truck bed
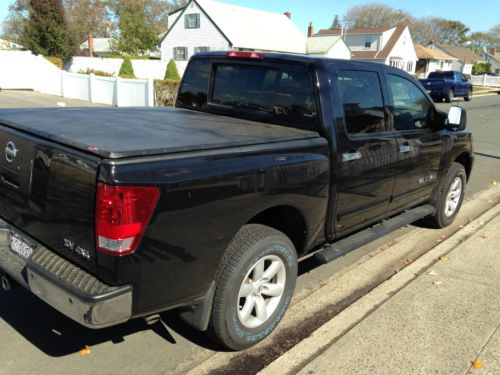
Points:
[[125, 132]]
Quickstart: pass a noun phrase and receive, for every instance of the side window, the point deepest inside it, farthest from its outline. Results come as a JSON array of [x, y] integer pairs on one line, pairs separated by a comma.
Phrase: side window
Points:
[[361, 95], [194, 90], [192, 21], [412, 110], [180, 53]]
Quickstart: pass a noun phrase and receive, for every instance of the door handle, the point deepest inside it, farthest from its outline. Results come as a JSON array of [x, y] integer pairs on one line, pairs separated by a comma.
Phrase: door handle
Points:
[[405, 148], [350, 156]]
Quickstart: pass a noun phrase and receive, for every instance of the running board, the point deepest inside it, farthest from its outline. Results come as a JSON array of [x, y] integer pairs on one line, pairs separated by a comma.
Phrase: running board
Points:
[[342, 247]]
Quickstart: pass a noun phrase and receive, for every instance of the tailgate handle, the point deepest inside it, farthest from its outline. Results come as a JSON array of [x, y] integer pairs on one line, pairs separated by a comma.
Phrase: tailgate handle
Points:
[[7, 181]]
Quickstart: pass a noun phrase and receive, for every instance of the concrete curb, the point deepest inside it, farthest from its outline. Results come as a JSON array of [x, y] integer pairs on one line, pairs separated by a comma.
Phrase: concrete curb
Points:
[[321, 339]]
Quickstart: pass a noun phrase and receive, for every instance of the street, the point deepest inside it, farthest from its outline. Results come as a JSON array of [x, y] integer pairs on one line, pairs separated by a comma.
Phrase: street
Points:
[[36, 338]]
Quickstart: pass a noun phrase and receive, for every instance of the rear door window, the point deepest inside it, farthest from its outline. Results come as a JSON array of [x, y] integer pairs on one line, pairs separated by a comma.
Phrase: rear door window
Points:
[[361, 95]]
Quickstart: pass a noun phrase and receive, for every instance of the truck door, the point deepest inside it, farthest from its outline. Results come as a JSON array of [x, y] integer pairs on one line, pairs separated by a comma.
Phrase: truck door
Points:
[[419, 142], [366, 151]]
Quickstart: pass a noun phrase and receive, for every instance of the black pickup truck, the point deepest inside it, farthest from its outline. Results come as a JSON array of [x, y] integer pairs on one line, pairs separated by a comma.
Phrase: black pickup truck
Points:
[[112, 214]]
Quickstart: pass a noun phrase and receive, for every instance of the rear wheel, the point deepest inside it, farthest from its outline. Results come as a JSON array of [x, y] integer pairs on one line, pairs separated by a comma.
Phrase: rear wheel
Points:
[[255, 286], [450, 95], [451, 196]]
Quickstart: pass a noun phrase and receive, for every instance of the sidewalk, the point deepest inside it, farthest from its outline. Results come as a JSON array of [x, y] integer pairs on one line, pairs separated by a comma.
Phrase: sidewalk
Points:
[[439, 323]]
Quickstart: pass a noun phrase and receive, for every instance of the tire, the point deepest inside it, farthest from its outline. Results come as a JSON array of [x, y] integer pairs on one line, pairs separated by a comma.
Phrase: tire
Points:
[[468, 96], [243, 313], [445, 211], [450, 95]]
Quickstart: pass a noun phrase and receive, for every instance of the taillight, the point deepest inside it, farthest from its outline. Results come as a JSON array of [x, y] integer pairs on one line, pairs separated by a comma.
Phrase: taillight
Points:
[[245, 55], [122, 215]]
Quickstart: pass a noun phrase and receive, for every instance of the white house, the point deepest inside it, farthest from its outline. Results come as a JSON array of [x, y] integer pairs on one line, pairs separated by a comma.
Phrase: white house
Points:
[[391, 46], [465, 57], [328, 46], [430, 60], [207, 25], [6, 45]]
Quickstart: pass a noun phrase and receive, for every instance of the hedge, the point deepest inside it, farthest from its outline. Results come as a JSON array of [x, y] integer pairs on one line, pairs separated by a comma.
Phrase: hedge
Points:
[[165, 92]]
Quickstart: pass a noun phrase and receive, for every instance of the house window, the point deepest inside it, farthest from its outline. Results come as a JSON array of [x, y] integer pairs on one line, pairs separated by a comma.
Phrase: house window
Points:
[[201, 49], [180, 53], [409, 66], [192, 21], [368, 41]]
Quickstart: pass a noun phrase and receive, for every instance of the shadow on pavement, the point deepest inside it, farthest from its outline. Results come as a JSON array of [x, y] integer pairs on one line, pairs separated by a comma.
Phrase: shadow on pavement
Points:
[[57, 336]]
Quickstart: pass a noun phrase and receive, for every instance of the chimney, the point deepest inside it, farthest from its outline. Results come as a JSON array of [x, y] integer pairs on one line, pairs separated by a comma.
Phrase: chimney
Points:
[[288, 14], [310, 30], [91, 45], [492, 51]]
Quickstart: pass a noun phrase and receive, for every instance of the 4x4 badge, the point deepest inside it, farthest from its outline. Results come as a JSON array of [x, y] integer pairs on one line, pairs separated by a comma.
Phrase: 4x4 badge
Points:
[[10, 152]]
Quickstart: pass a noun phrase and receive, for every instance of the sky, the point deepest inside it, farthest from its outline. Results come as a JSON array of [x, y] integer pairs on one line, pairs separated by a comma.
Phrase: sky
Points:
[[321, 12]]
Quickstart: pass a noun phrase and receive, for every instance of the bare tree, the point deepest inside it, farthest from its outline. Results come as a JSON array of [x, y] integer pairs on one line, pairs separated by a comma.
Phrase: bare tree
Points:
[[375, 15], [15, 21], [480, 41], [87, 17]]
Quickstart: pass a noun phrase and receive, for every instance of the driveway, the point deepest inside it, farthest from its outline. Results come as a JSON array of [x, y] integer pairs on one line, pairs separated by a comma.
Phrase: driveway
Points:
[[31, 99]]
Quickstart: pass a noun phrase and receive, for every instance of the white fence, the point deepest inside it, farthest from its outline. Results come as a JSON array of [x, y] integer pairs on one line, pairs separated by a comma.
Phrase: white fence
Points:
[[23, 70], [486, 80], [146, 69]]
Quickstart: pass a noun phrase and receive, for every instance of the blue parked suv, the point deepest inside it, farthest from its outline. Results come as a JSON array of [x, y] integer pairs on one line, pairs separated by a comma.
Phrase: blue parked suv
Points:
[[447, 85]]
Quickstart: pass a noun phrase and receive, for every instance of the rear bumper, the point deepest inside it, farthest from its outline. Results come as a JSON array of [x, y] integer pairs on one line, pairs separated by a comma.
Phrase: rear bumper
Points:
[[69, 289]]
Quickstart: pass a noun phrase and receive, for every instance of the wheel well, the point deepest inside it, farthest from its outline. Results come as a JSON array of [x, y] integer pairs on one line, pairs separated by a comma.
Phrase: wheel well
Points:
[[465, 160], [286, 219]]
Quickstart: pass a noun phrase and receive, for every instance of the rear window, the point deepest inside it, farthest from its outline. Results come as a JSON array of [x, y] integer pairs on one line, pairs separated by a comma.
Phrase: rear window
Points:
[[277, 93], [441, 75]]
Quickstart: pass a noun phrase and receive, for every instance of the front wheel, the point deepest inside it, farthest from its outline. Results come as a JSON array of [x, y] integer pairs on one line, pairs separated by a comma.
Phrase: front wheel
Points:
[[468, 96], [255, 286], [451, 197]]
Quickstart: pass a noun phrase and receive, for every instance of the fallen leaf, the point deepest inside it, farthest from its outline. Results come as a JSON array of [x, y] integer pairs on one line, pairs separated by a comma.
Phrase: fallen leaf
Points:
[[494, 183], [85, 351], [444, 257], [477, 363], [408, 261], [483, 236], [437, 282], [432, 273]]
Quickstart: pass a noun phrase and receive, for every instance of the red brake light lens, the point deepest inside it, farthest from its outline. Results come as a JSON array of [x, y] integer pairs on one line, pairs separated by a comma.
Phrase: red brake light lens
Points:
[[245, 55], [122, 215]]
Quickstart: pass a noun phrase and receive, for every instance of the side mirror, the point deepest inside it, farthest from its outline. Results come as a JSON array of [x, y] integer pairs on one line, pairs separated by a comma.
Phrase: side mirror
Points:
[[457, 118]]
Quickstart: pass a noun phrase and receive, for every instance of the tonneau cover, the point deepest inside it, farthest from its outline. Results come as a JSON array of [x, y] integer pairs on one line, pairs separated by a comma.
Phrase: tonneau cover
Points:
[[124, 132]]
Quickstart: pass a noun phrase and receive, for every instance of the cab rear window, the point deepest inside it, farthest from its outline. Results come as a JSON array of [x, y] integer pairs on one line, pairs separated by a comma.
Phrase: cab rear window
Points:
[[282, 93]]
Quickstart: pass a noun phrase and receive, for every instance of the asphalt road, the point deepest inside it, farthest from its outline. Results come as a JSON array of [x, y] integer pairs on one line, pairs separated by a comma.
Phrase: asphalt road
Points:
[[36, 338]]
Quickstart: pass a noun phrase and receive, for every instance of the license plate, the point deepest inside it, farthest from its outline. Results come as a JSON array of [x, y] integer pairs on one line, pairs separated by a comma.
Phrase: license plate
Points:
[[20, 246]]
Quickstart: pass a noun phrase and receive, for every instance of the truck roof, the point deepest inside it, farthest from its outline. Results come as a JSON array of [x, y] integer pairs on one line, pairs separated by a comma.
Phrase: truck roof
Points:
[[124, 132]]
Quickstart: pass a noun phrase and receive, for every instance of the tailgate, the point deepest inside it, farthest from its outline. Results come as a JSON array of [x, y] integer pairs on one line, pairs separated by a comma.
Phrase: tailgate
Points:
[[433, 84], [48, 192]]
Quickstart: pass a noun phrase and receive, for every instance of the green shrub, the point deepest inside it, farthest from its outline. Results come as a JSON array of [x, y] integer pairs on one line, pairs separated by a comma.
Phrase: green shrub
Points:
[[95, 72], [171, 73], [127, 70], [481, 68], [165, 92], [55, 60]]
